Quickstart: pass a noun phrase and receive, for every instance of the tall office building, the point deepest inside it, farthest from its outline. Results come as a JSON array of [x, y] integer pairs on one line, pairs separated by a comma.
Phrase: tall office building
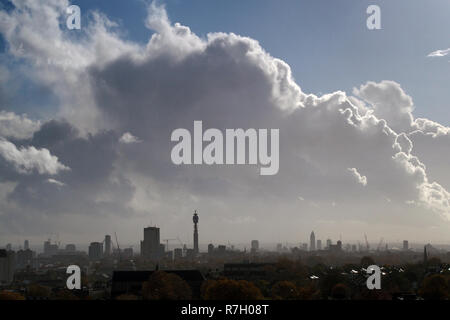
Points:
[[195, 220], [150, 246], [7, 265], [49, 248], [26, 245], [210, 248], [329, 243], [319, 244], [405, 245], [312, 242], [178, 253], [95, 250], [254, 246], [107, 245], [24, 258]]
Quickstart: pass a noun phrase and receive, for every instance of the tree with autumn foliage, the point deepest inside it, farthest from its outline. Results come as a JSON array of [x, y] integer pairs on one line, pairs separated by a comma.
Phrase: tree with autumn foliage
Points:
[[308, 292], [166, 286], [340, 292], [226, 289], [9, 295], [435, 287], [284, 290]]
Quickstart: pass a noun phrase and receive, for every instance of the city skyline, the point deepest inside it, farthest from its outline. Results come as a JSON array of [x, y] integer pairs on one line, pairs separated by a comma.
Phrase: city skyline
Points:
[[86, 118]]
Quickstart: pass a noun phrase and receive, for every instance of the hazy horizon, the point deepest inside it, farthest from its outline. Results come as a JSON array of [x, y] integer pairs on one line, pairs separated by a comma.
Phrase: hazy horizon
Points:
[[86, 118]]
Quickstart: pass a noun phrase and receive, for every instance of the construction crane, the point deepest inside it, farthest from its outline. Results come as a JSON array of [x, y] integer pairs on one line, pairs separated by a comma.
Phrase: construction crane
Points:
[[367, 242], [167, 243], [117, 243]]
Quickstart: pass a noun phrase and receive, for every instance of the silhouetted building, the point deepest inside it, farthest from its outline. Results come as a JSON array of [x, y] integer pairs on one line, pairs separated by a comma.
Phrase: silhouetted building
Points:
[[95, 250], [329, 243], [178, 253], [312, 242], [319, 245], [279, 247], [190, 253], [254, 246], [7, 266], [24, 258], [405, 245], [210, 248], [221, 249], [8, 247], [107, 245], [336, 247], [49, 248], [195, 220], [238, 271], [70, 247], [151, 245], [26, 245]]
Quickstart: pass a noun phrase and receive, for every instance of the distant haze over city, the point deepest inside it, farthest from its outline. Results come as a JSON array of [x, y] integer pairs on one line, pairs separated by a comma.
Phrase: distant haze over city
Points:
[[86, 118]]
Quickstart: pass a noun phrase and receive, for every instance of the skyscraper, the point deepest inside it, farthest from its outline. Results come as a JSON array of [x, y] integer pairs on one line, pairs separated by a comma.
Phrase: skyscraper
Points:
[[319, 244], [312, 242], [329, 243], [49, 248], [254, 246], [95, 250], [195, 220], [210, 248], [405, 245], [26, 245], [7, 266], [107, 245], [150, 246]]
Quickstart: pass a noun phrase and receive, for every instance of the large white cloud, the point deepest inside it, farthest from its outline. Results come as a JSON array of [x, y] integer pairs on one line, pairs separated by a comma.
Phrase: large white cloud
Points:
[[17, 126], [227, 81], [29, 159]]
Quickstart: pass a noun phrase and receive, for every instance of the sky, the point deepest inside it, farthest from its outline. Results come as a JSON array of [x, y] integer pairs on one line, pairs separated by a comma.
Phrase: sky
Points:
[[86, 117]]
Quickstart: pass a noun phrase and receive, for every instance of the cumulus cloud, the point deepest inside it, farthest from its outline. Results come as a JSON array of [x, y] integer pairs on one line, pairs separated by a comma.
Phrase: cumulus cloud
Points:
[[389, 102], [439, 53], [129, 138], [17, 126], [361, 179], [227, 81], [29, 159]]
